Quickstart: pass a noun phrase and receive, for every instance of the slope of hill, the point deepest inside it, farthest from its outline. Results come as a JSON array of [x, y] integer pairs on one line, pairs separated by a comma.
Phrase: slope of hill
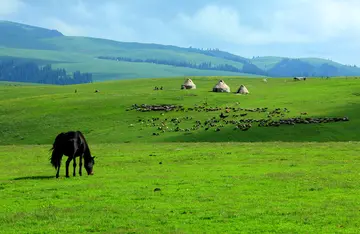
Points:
[[15, 35], [35, 114], [81, 53]]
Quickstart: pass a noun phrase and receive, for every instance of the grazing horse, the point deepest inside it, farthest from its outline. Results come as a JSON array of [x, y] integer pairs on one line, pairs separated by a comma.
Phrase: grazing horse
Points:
[[71, 144]]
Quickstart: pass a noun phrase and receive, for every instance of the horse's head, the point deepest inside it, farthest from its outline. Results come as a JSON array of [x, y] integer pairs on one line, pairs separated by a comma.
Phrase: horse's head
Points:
[[89, 164]]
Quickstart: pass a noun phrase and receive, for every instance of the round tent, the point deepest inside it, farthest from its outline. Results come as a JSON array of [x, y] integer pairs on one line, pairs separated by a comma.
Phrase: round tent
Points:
[[188, 84], [221, 87], [242, 90]]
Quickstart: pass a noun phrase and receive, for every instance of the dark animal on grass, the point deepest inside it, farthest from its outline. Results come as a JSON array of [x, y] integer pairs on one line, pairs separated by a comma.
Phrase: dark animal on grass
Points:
[[71, 144], [299, 78]]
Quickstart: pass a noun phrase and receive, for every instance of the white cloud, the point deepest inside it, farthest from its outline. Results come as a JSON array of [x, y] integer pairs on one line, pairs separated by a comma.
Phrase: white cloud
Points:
[[82, 11], [225, 24], [321, 19], [304, 21], [8, 7]]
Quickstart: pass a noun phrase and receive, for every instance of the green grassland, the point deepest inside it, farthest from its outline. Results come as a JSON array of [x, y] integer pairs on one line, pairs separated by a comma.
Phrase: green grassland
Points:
[[31, 115], [300, 178], [205, 188]]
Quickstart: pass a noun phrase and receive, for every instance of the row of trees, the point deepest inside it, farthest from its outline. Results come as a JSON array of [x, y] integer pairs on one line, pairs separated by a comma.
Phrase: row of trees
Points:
[[247, 68], [285, 68], [31, 72]]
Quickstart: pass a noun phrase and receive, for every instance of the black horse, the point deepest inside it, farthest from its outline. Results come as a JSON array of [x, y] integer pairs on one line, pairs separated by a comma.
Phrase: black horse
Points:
[[71, 144]]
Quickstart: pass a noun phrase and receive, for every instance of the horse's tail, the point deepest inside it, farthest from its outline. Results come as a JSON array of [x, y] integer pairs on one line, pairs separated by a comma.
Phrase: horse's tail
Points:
[[55, 158]]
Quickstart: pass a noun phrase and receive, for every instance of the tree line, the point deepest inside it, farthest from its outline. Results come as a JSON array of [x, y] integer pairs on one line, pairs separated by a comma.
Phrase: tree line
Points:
[[285, 68], [31, 72], [247, 67]]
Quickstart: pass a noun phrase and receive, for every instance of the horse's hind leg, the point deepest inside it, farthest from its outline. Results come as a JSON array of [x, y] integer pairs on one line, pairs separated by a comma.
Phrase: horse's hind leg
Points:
[[74, 164], [58, 167], [67, 166]]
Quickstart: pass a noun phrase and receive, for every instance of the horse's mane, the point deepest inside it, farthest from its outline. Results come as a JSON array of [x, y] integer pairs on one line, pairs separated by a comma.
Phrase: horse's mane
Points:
[[87, 149], [82, 137]]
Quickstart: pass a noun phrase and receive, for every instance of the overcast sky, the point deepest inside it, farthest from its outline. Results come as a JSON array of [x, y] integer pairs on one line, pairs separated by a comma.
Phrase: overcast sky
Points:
[[292, 28]]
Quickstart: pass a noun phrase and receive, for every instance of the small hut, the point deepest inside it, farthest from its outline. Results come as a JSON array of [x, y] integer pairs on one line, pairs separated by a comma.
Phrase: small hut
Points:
[[221, 87], [242, 90], [188, 84]]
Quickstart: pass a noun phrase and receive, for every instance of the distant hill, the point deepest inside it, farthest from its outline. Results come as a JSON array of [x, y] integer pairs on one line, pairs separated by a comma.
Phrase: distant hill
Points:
[[284, 67], [107, 59]]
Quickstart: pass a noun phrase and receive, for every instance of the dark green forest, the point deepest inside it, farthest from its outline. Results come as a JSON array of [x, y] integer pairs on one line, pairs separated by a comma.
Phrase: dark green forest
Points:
[[11, 70]]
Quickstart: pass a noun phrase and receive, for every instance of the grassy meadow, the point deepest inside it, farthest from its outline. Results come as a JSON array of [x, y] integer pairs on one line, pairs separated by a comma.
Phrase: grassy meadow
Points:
[[205, 188], [34, 114], [300, 178]]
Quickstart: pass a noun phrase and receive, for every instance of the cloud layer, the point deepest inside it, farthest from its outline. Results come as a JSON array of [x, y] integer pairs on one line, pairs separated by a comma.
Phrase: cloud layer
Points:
[[297, 28]]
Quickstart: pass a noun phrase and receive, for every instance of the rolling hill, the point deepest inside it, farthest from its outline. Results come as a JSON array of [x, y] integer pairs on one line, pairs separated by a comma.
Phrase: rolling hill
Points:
[[124, 60]]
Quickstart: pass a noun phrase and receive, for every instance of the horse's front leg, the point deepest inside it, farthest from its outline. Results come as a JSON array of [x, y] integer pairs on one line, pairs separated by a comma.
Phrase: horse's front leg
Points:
[[58, 171], [80, 164], [74, 164], [67, 166]]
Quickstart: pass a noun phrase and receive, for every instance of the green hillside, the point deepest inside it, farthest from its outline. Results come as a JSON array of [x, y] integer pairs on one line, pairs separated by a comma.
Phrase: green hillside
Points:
[[34, 114], [45, 46], [104, 69]]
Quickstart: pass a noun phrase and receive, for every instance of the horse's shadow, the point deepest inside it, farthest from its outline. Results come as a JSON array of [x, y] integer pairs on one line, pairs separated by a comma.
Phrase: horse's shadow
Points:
[[34, 178]]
